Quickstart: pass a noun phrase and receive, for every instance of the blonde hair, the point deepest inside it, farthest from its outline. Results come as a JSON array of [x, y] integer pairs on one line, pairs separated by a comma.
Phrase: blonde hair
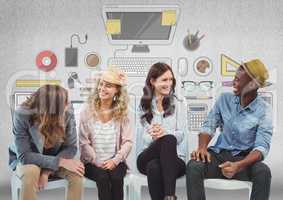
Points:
[[119, 106], [47, 105]]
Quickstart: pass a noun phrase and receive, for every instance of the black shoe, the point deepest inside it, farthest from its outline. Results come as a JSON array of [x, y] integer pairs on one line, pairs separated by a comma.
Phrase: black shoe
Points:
[[170, 197]]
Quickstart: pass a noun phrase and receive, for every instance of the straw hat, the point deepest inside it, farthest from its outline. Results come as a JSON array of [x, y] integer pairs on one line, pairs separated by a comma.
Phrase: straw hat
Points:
[[257, 71], [115, 76]]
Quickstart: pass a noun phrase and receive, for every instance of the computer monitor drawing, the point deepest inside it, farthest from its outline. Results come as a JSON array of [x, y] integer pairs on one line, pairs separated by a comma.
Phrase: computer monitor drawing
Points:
[[141, 25]]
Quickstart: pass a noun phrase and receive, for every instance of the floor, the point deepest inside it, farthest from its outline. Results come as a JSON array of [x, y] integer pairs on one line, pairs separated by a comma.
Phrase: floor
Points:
[[91, 194]]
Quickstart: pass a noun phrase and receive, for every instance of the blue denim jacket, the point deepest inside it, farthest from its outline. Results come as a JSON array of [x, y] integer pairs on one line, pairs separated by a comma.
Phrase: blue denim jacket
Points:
[[174, 124], [240, 128]]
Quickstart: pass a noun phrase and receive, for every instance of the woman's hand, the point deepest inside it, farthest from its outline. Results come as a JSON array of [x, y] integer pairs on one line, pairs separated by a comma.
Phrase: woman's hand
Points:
[[109, 164], [156, 131], [72, 165], [43, 180]]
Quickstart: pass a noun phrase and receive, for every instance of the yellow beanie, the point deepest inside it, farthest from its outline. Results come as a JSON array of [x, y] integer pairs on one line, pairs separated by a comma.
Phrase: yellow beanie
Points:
[[257, 71]]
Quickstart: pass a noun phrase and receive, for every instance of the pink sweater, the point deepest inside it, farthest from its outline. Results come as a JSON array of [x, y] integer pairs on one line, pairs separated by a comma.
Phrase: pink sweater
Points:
[[123, 144]]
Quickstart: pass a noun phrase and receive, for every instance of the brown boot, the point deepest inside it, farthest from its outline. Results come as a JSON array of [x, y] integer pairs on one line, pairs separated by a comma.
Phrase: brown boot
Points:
[[170, 197]]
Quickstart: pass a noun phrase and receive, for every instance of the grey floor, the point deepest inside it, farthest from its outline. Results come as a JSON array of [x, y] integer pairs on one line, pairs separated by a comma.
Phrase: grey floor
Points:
[[91, 194]]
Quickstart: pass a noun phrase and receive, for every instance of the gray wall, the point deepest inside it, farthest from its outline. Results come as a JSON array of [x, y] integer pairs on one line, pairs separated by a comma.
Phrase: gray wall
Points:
[[243, 29]]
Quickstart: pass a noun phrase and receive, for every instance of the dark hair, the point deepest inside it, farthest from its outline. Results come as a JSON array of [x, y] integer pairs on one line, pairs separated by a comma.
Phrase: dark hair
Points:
[[156, 70]]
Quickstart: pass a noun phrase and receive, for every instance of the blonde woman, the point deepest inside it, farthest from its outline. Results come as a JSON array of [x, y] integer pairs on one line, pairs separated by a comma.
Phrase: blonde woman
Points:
[[45, 143], [106, 136]]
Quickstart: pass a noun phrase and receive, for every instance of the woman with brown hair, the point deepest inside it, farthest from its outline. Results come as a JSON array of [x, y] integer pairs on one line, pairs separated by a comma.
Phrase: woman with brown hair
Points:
[[106, 136], [45, 143], [163, 151]]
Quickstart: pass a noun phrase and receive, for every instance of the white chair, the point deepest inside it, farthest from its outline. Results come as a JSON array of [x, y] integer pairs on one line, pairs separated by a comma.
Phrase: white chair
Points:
[[140, 180], [16, 186], [91, 184], [225, 184]]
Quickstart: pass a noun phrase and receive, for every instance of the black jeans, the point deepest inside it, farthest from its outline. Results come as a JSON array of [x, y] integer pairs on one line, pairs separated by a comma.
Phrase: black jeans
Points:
[[258, 173], [109, 182], [162, 166]]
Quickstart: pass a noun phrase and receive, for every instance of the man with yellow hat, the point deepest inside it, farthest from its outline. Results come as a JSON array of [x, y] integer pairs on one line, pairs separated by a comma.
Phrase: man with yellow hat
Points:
[[244, 139]]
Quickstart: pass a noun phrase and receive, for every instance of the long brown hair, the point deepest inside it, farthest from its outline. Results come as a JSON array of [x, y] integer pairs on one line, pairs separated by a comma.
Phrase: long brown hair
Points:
[[48, 105], [157, 70]]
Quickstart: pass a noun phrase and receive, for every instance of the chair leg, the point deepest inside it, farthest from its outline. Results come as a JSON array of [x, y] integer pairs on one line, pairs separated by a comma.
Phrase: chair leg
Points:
[[126, 192], [15, 194], [250, 192], [14, 189], [66, 192], [135, 191]]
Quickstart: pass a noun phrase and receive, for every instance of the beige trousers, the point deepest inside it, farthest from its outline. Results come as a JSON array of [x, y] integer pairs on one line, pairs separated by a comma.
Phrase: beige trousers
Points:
[[29, 175]]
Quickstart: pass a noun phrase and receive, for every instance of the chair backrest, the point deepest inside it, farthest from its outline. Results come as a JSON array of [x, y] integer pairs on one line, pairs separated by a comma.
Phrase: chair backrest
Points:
[[12, 105], [77, 106], [133, 114], [12, 147]]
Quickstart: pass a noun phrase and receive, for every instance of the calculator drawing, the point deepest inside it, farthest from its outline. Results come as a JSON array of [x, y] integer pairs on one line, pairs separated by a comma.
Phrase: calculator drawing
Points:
[[196, 115]]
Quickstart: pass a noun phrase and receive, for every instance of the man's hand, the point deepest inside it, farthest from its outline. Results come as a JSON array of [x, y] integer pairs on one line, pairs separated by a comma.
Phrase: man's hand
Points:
[[201, 154], [229, 169], [109, 164], [43, 180]]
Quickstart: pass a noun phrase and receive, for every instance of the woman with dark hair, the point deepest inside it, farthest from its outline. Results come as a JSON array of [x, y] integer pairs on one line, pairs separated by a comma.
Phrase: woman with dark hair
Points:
[[163, 133], [46, 142]]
